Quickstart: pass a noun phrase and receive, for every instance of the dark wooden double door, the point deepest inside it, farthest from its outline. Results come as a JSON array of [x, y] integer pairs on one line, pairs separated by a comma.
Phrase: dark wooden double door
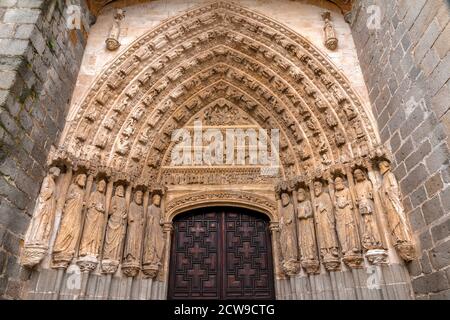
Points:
[[221, 253]]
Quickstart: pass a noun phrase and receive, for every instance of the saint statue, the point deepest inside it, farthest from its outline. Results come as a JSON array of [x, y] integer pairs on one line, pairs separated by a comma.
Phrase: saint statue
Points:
[[399, 226], [132, 257], [306, 233], [115, 231], [288, 238], [154, 240], [326, 232], [365, 201], [93, 225], [38, 233], [69, 231], [345, 221]]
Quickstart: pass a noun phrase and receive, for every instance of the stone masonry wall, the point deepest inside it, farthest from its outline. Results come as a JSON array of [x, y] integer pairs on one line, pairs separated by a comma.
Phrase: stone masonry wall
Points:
[[39, 63], [406, 64]]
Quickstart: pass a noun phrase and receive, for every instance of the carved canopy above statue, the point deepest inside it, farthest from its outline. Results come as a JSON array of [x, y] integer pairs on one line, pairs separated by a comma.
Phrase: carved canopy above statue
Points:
[[219, 52]]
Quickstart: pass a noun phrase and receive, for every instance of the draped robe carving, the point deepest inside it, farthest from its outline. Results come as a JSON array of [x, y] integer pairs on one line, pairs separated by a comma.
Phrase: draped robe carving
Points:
[[288, 235], [326, 233], [93, 225], [115, 231], [154, 241], [132, 257], [399, 227], [306, 233], [38, 233], [70, 227], [370, 238]]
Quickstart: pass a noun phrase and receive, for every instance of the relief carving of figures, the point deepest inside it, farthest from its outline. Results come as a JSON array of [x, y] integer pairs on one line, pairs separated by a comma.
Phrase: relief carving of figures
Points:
[[346, 225], [331, 41], [93, 224], [154, 240], [70, 227], [326, 227], [38, 233], [398, 224], [370, 238], [112, 42], [115, 231], [306, 233], [288, 235], [132, 256]]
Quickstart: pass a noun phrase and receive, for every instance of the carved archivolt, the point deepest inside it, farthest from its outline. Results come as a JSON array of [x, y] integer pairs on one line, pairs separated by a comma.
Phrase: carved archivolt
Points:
[[214, 198]]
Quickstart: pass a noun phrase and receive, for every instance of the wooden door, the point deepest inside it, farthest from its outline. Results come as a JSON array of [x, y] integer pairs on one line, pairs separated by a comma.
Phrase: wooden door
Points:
[[221, 253]]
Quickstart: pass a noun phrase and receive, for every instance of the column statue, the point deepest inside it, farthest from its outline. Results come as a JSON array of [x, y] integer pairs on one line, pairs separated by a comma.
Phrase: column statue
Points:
[[288, 238], [346, 225], [371, 238], [69, 231], [154, 239], [326, 227], [132, 256], [92, 232], [306, 233], [115, 231]]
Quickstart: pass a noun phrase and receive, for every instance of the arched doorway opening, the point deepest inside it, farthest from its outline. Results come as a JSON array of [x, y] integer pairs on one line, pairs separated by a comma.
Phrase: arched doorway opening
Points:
[[221, 253]]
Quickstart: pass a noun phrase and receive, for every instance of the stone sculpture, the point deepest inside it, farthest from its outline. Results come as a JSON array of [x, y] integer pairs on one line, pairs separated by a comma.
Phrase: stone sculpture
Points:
[[154, 240], [288, 235], [306, 233], [326, 227], [132, 255], [38, 233], [398, 224], [69, 231], [115, 231]]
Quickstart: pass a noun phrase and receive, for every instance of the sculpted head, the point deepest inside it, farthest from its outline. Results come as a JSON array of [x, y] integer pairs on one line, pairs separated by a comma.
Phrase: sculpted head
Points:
[[120, 192], [384, 166], [285, 199], [359, 175], [138, 196], [339, 183], [318, 188], [101, 186], [301, 195], [156, 200], [81, 180]]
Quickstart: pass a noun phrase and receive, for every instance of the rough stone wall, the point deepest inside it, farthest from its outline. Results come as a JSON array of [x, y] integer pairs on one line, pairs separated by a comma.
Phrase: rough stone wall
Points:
[[406, 65], [39, 63]]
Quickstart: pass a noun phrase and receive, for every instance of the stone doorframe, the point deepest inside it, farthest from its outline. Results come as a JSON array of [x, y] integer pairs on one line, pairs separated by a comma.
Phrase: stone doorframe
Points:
[[239, 199]]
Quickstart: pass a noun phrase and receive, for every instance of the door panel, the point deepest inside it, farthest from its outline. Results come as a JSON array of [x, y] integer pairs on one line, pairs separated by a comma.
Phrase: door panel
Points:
[[221, 253]]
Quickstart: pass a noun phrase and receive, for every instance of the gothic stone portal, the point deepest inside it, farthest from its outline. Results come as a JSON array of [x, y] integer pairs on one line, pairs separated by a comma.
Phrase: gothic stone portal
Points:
[[221, 253]]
